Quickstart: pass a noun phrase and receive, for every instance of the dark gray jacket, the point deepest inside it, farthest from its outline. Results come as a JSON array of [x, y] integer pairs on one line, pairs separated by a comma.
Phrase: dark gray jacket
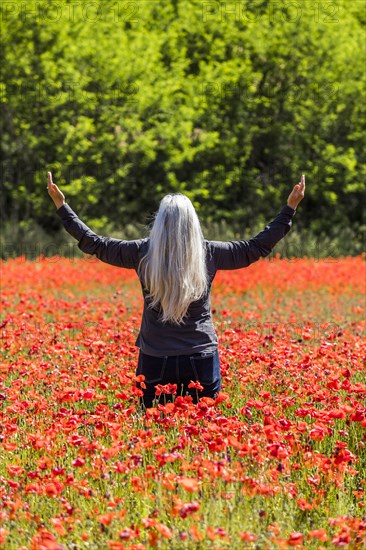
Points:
[[197, 334]]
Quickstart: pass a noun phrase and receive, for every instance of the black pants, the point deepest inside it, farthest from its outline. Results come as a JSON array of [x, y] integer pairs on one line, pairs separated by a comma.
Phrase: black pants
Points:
[[180, 370]]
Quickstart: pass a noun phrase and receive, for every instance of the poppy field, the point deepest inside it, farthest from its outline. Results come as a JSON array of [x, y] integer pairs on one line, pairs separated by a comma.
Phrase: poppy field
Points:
[[278, 460]]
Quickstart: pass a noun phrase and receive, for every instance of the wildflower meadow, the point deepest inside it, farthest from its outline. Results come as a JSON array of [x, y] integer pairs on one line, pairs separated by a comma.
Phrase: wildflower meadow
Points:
[[278, 460]]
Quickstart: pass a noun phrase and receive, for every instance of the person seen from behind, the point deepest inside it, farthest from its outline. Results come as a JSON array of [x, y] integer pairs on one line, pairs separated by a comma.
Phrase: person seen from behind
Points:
[[176, 265]]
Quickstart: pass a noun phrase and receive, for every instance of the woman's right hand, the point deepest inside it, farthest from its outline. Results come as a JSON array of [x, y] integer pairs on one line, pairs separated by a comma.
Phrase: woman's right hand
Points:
[[54, 192], [297, 194]]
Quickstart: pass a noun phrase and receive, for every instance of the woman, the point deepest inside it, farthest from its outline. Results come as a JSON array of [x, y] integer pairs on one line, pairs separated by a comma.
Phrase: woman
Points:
[[176, 266]]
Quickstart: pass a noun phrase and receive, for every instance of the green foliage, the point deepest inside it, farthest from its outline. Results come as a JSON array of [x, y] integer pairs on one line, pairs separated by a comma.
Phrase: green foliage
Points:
[[228, 103]]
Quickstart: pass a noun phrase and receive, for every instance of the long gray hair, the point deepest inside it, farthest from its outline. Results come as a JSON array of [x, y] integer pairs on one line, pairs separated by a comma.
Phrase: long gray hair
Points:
[[174, 268]]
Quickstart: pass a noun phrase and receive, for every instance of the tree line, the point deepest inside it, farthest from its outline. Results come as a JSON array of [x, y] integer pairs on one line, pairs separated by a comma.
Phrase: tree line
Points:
[[228, 102]]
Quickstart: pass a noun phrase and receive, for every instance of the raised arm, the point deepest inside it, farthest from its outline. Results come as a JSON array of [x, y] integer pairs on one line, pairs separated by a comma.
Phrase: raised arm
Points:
[[238, 254], [111, 251]]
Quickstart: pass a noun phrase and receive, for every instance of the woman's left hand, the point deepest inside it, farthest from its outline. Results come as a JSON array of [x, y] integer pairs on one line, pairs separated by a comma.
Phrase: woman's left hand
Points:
[[54, 192]]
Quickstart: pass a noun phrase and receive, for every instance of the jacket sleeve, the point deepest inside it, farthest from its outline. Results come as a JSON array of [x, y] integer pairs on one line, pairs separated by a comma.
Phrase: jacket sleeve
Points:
[[237, 254], [111, 251]]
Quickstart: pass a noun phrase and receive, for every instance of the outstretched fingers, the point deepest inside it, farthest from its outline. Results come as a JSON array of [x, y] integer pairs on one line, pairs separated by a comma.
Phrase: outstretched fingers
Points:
[[297, 193], [302, 185]]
